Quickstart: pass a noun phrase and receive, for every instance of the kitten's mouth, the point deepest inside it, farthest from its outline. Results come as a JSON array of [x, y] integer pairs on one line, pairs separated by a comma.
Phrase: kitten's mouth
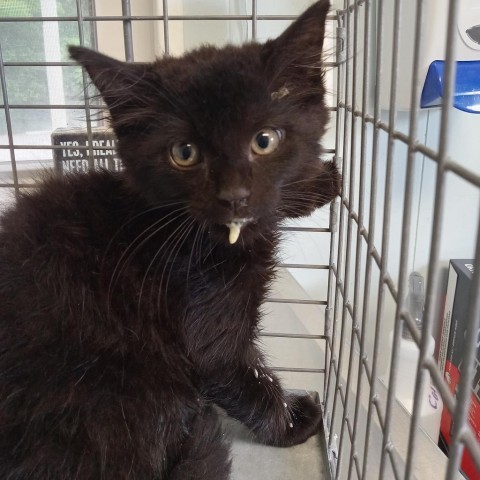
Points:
[[235, 227]]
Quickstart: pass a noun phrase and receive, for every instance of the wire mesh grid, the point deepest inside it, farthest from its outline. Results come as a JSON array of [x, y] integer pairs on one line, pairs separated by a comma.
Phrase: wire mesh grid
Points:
[[359, 279], [362, 245]]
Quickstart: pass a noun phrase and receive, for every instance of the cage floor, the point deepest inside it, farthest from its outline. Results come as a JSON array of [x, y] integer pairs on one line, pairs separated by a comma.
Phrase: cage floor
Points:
[[251, 460]]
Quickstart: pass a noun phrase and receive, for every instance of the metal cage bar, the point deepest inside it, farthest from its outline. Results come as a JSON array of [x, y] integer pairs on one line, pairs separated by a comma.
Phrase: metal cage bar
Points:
[[254, 20], [371, 230], [386, 224], [340, 249], [127, 30], [166, 33], [85, 81], [8, 121], [164, 17], [358, 254], [348, 253]]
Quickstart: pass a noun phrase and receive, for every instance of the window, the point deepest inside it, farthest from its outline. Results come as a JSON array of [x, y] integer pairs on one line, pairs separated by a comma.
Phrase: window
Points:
[[44, 89]]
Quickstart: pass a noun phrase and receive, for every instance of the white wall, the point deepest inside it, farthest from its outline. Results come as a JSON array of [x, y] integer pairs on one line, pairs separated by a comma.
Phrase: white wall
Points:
[[110, 34]]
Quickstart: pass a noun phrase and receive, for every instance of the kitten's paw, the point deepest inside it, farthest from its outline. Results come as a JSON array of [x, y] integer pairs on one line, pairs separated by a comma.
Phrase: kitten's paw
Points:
[[304, 418]]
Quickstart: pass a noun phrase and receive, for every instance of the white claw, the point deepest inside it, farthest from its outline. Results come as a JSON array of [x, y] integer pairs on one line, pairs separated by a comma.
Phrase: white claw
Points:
[[255, 372], [291, 425]]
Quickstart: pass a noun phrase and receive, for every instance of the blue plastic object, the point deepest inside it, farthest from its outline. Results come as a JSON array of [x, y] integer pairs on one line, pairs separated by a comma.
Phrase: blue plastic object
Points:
[[467, 86]]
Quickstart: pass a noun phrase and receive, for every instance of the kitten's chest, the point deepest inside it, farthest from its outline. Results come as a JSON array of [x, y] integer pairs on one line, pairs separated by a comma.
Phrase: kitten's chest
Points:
[[203, 294], [233, 286], [222, 302]]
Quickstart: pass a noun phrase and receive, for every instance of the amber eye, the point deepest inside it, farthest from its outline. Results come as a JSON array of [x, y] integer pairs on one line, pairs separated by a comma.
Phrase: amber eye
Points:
[[184, 155], [266, 141]]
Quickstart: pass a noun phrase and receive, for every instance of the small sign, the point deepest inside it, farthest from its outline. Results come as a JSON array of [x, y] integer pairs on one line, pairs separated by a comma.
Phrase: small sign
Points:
[[74, 157]]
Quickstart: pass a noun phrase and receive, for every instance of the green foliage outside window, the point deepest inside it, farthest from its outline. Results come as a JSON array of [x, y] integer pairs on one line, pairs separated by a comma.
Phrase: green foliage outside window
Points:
[[25, 42]]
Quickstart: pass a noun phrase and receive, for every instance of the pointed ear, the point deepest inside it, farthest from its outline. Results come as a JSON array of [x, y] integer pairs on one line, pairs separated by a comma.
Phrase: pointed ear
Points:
[[109, 75], [122, 85], [294, 59]]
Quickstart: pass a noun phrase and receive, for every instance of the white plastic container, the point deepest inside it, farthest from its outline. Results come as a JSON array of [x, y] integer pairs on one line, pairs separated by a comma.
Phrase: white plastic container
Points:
[[408, 356], [434, 30], [432, 404]]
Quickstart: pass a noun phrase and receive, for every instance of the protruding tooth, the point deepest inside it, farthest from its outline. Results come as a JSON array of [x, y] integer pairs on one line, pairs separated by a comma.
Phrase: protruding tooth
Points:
[[234, 232]]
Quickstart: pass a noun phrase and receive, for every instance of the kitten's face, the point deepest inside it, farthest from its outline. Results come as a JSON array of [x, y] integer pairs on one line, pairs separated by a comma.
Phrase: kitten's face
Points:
[[233, 133]]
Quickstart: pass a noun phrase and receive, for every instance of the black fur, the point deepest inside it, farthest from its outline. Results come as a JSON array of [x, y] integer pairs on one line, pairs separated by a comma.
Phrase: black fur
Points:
[[124, 311]]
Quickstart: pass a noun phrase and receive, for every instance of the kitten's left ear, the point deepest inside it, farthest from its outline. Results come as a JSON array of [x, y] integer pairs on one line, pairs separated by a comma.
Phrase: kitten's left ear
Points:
[[295, 56]]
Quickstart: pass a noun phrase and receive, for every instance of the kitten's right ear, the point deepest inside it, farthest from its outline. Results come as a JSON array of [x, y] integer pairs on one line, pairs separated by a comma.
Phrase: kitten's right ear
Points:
[[111, 77], [294, 59]]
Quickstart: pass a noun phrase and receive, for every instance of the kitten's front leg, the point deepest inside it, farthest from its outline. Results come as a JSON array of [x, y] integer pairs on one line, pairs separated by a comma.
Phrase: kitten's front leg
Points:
[[252, 394]]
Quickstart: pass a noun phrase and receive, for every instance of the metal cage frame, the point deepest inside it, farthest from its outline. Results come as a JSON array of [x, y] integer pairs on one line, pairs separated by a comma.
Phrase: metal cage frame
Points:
[[353, 248], [344, 311]]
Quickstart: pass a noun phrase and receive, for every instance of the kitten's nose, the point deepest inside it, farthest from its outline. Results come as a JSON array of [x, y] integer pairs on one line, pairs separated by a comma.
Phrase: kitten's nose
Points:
[[234, 197]]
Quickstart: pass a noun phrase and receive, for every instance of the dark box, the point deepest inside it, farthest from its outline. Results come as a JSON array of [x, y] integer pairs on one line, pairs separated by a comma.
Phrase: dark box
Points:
[[450, 357], [72, 159]]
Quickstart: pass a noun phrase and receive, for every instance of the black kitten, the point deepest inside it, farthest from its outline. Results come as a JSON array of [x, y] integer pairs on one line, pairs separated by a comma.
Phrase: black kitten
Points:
[[129, 303]]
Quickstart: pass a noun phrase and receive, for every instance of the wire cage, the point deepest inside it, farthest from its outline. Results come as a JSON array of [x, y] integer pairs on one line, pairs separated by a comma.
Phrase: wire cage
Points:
[[385, 147], [334, 323]]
